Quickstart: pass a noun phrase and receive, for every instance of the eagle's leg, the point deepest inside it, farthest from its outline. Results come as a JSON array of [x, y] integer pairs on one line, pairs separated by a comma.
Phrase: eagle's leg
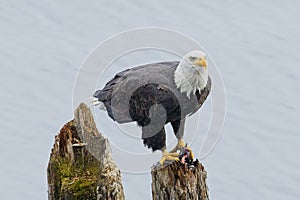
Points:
[[179, 146], [158, 142], [178, 127], [168, 156]]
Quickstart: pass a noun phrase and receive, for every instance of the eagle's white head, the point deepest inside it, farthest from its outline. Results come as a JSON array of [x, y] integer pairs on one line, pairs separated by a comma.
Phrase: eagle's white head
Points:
[[191, 73]]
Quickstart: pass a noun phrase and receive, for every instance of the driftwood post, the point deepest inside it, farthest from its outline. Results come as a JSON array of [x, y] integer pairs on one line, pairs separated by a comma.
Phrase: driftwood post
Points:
[[81, 165], [179, 181]]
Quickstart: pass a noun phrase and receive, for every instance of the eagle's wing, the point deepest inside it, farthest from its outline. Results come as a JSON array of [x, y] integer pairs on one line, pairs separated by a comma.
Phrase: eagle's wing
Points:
[[117, 92]]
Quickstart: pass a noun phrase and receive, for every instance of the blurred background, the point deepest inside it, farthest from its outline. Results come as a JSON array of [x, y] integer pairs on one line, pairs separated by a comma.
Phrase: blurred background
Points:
[[255, 45]]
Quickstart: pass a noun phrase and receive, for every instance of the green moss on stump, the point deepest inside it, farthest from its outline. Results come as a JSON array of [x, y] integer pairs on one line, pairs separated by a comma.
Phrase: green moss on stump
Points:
[[76, 181]]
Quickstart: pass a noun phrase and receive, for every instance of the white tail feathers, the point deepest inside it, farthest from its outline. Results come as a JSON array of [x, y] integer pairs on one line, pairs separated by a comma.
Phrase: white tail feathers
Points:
[[92, 101]]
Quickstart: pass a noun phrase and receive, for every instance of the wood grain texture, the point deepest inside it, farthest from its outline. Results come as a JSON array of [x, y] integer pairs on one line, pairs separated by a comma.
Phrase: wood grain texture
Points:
[[179, 181], [81, 164]]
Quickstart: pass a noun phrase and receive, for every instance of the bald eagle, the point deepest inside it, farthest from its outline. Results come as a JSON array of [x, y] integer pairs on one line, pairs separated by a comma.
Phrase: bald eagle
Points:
[[156, 94]]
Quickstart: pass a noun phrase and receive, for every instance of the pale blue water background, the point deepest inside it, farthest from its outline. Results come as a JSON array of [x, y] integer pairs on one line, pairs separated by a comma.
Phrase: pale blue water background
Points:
[[254, 43]]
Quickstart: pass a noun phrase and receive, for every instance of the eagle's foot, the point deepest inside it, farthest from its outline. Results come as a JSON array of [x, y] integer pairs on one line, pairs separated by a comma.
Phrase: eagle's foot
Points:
[[169, 156], [179, 146]]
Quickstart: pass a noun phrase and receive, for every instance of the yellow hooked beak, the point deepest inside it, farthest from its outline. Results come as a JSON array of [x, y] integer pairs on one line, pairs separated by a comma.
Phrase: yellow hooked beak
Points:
[[200, 62]]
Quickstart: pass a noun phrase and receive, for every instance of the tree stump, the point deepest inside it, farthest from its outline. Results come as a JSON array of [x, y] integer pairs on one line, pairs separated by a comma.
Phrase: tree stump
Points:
[[81, 164], [179, 181]]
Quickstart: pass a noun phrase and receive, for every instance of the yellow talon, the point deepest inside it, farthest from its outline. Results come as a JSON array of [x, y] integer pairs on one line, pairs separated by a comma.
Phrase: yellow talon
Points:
[[168, 156], [191, 152]]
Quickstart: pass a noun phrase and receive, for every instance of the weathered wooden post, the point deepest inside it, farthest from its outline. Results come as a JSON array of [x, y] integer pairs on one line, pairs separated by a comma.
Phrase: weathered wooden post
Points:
[[179, 181], [81, 165]]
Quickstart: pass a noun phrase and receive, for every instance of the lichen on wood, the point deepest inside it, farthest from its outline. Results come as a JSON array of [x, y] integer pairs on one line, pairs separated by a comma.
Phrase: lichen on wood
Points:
[[81, 165]]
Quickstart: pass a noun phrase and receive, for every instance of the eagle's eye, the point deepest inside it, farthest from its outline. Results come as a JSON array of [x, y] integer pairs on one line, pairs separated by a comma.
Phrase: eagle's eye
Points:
[[193, 58]]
